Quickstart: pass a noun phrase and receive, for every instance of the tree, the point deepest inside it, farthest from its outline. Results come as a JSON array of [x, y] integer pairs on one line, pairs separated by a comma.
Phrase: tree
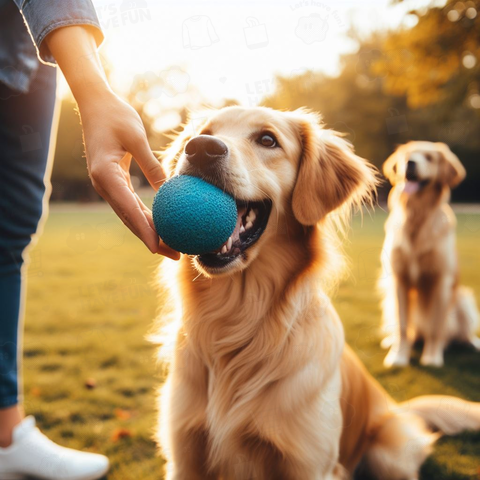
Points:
[[418, 83], [437, 60]]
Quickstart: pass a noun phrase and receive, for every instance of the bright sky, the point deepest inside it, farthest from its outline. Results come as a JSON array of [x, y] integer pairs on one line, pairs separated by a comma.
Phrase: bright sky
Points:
[[233, 49]]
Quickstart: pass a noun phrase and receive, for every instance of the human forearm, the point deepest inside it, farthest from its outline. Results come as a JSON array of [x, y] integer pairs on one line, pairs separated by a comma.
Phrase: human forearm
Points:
[[75, 51], [43, 17]]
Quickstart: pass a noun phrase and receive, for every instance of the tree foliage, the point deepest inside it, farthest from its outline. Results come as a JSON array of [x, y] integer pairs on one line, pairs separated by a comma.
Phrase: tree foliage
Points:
[[408, 84], [426, 62], [416, 83]]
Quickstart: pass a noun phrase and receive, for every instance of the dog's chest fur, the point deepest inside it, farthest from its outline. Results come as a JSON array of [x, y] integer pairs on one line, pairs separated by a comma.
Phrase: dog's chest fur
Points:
[[256, 344], [419, 232]]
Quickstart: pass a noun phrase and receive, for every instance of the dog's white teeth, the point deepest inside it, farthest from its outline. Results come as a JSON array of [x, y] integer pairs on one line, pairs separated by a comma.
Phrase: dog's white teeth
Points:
[[224, 249], [251, 216], [229, 243], [248, 225], [242, 228]]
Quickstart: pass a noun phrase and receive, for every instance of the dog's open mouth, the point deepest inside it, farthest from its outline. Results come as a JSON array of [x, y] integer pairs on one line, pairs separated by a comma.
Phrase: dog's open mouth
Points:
[[252, 219], [413, 186]]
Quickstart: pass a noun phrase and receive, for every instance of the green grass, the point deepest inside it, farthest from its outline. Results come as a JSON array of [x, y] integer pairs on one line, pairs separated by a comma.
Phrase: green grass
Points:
[[91, 303]]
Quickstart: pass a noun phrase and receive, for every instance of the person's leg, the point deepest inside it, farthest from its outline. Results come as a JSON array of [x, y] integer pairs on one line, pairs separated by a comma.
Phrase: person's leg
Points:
[[25, 126]]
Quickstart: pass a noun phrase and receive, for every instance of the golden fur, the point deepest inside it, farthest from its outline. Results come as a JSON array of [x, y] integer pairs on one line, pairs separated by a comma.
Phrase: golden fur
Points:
[[260, 383], [422, 298]]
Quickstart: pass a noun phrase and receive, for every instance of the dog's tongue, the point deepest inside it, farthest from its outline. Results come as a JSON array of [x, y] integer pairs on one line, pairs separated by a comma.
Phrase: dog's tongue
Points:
[[411, 187]]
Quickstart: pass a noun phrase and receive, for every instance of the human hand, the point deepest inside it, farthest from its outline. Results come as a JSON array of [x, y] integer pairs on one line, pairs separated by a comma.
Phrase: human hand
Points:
[[113, 133]]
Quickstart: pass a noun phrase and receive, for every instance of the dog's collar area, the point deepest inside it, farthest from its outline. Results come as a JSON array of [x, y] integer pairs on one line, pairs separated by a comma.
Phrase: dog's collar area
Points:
[[252, 219]]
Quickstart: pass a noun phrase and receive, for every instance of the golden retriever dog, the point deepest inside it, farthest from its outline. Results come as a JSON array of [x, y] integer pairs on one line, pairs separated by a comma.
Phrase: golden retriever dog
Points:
[[420, 278], [260, 384]]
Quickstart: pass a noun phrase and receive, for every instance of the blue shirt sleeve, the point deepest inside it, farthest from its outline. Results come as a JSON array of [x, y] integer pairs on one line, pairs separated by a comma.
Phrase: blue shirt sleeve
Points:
[[44, 16]]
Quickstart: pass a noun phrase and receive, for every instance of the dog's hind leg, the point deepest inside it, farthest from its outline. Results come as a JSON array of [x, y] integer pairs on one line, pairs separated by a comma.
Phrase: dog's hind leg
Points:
[[399, 447], [404, 438]]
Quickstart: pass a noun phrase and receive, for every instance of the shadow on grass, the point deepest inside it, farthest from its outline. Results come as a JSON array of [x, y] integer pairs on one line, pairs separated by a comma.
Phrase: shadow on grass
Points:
[[460, 371]]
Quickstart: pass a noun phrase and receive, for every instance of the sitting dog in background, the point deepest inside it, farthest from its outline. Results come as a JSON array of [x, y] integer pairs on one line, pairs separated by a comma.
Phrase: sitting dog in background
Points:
[[422, 296], [260, 383]]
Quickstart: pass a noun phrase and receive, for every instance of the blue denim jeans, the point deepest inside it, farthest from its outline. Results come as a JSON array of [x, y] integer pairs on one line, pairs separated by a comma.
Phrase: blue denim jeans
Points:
[[25, 126]]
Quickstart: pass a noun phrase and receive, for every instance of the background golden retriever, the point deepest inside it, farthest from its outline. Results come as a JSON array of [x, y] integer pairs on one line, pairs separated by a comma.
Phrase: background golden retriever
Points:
[[422, 296], [261, 384]]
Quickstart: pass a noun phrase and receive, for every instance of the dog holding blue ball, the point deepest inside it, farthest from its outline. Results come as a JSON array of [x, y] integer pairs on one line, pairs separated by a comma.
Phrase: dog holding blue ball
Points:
[[260, 382]]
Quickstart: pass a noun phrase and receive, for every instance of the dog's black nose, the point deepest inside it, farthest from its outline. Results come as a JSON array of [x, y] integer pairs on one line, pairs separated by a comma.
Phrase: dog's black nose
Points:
[[205, 151]]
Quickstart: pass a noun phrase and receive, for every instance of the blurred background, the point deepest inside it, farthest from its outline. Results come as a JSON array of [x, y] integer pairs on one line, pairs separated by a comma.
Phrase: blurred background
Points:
[[380, 71]]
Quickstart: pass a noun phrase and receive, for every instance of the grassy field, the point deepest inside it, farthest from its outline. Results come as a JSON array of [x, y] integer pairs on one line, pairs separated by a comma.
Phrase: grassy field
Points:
[[90, 375]]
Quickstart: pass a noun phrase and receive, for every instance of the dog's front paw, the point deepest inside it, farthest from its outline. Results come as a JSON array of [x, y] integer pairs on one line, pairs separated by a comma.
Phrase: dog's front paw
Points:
[[432, 359], [397, 357], [387, 342]]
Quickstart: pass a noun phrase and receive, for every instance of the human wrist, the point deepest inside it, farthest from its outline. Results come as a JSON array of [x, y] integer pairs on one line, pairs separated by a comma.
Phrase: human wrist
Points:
[[87, 79], [93, 93]]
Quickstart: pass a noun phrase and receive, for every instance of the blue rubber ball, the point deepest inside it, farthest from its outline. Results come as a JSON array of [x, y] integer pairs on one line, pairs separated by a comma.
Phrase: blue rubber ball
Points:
[[193, 216]]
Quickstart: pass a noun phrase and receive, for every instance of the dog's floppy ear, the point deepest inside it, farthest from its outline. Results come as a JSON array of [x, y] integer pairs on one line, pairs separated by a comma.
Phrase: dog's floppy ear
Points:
[[452, 172], [390, 166], [329, 174]]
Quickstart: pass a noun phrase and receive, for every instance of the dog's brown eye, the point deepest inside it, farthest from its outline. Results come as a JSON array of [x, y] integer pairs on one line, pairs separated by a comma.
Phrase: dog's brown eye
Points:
[[428, 157], [267, 140]]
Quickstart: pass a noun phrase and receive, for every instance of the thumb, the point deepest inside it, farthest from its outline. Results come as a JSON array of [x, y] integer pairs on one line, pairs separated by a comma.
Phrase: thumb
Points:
[[150, 165]]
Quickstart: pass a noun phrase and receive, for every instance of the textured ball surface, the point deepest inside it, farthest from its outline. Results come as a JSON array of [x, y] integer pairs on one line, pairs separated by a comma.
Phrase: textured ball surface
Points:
[[193, 216]]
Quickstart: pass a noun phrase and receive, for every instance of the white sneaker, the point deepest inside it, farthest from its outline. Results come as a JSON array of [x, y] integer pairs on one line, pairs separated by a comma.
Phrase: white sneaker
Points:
[[32, 454]]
